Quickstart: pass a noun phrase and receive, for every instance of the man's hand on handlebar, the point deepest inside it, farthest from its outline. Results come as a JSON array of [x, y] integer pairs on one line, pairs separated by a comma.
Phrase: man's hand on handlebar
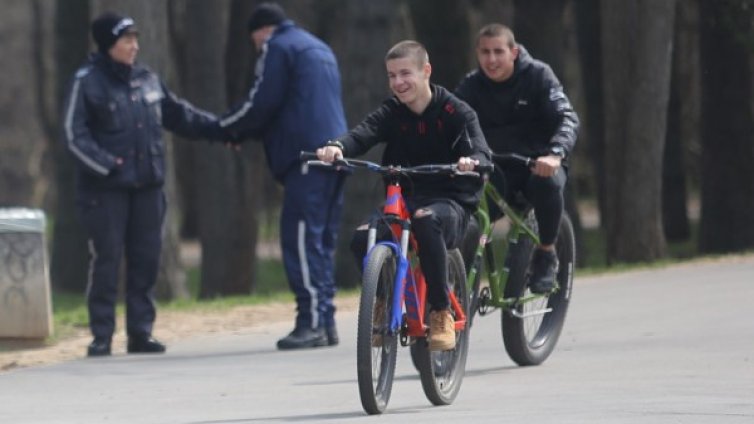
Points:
[[546, 166], [466, 164], [329, 154]]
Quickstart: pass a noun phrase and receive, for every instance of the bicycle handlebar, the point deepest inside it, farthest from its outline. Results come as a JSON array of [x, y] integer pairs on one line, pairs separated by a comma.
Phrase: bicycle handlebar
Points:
[[514, 157], [442, 169]]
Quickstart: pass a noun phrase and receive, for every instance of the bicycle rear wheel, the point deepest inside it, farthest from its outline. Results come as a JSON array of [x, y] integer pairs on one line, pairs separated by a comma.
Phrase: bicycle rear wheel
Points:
[[442, 372], [531, 330], [376, 344]]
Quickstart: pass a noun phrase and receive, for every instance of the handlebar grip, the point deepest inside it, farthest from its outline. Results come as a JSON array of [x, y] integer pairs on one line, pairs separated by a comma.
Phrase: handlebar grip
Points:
[[485, 169], [307, 156]]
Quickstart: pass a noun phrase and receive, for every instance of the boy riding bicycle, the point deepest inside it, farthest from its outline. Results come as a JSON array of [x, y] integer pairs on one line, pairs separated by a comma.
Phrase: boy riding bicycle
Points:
[[523, 109], [423, 124]]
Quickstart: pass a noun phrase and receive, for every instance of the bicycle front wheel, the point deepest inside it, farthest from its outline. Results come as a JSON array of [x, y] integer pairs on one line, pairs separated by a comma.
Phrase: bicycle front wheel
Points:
[[376, 343], [442, 372], [532, 329]]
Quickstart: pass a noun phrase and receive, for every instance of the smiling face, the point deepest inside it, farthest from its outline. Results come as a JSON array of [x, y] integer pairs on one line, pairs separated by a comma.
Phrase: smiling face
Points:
[[496, 57], [125, 49], [409, 81]]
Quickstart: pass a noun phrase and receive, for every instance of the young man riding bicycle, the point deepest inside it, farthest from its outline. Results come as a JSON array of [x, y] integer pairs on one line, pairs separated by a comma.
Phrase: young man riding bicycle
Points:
[[423, 124], [522, 109]]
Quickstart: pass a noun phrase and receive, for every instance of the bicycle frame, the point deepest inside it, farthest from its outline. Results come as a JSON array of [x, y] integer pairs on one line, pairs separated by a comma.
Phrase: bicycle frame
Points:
[[409, 280], [498, 278]]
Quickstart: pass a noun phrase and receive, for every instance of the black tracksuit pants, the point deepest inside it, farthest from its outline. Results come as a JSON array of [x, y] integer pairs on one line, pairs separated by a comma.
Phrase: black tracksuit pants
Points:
[[544, 194]]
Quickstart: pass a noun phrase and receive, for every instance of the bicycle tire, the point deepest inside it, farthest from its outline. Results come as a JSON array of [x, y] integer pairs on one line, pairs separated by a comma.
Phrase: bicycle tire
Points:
[[531, 340], [442, 372], [375, 363], [476, 288]]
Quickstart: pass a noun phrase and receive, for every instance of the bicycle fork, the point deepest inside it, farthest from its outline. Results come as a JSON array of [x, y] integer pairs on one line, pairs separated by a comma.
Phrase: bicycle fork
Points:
[[405, 290]]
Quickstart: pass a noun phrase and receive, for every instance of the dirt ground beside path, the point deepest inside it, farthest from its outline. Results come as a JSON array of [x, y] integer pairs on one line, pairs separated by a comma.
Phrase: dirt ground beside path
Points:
[[169, 327]]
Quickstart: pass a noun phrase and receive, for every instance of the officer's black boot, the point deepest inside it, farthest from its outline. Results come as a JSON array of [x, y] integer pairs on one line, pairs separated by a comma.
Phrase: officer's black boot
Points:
[[544, 268], [332, 335], [100, 346], [303, 338], [144, 344]]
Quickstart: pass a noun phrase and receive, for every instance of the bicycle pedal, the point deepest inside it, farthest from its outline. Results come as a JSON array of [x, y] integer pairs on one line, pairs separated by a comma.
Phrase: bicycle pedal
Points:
[[529, 314], [405, 340], [484, 302]]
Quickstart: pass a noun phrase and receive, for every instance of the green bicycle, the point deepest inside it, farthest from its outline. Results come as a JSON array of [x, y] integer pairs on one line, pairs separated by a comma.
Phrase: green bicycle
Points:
[[531, 323]]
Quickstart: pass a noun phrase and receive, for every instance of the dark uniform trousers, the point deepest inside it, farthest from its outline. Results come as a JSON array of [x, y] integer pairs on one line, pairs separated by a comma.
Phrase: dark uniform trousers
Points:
[[309, 224], [122, 222]]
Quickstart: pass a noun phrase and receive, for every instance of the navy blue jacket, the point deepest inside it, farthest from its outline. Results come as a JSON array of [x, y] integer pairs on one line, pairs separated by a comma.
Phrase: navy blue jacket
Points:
[[527, 114], [118, 111], [295, 102]]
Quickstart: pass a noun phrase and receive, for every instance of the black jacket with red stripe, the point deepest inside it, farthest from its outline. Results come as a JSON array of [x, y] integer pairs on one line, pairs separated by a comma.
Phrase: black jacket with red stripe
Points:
[[447, 130]]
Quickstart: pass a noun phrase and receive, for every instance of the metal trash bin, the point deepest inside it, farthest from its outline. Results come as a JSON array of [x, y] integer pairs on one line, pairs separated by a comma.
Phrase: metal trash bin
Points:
[[25, 304]]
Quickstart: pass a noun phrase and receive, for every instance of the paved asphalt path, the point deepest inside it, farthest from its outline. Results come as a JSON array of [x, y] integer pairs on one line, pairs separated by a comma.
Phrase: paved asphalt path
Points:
[[673, 345]]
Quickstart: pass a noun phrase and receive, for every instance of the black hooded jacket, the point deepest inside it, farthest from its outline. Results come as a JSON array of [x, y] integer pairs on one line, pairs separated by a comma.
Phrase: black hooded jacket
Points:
[[447, 130], [526, 114]]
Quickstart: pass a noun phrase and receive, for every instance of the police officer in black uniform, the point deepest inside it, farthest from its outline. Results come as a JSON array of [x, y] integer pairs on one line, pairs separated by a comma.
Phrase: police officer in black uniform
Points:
[[113, 120]]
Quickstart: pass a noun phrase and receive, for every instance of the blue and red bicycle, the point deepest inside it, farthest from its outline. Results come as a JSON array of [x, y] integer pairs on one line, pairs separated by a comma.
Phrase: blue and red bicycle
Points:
[[393, 309]]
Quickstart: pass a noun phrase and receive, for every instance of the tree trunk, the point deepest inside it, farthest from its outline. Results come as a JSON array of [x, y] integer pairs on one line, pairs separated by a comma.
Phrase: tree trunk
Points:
[[182, 151], [227, 245], [70, 255], [443, 27], [22, 137], [253, 172], [683, 122], [637, 46], [538, 26], [592, 131], [483, 12], [727, 191]]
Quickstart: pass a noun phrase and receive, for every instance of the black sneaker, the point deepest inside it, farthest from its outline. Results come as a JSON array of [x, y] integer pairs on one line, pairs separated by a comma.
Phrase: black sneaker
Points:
[[100, 346], [145, 344], [303, 338], [544, 269], [332, 336]]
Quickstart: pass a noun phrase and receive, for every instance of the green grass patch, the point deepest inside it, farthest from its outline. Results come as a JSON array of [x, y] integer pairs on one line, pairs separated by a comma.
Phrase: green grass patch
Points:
[[594, 251], [69, 313], [270, 279], [70, 310]]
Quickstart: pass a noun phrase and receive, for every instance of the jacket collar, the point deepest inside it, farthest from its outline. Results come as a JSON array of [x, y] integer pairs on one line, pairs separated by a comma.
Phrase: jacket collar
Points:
[[121, 71]]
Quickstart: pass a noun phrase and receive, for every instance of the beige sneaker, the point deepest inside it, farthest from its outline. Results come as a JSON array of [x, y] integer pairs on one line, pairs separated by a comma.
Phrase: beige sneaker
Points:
[[442, 333], [378, 323]]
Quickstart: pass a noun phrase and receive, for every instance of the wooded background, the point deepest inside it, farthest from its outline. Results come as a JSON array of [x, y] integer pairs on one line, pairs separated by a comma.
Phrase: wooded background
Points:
[[663, 89]]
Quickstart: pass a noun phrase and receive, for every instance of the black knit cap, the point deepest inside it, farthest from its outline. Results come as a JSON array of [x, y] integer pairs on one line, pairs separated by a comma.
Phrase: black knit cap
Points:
[[110, 26], [266, 14]]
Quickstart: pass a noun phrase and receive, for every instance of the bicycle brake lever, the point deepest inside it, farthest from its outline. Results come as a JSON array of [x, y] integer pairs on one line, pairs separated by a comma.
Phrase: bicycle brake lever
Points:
[[341, 162]]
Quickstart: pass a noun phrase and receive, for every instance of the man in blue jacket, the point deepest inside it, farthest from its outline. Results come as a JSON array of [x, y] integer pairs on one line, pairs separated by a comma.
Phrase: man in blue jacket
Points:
[[113, 121], [294, 105]]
